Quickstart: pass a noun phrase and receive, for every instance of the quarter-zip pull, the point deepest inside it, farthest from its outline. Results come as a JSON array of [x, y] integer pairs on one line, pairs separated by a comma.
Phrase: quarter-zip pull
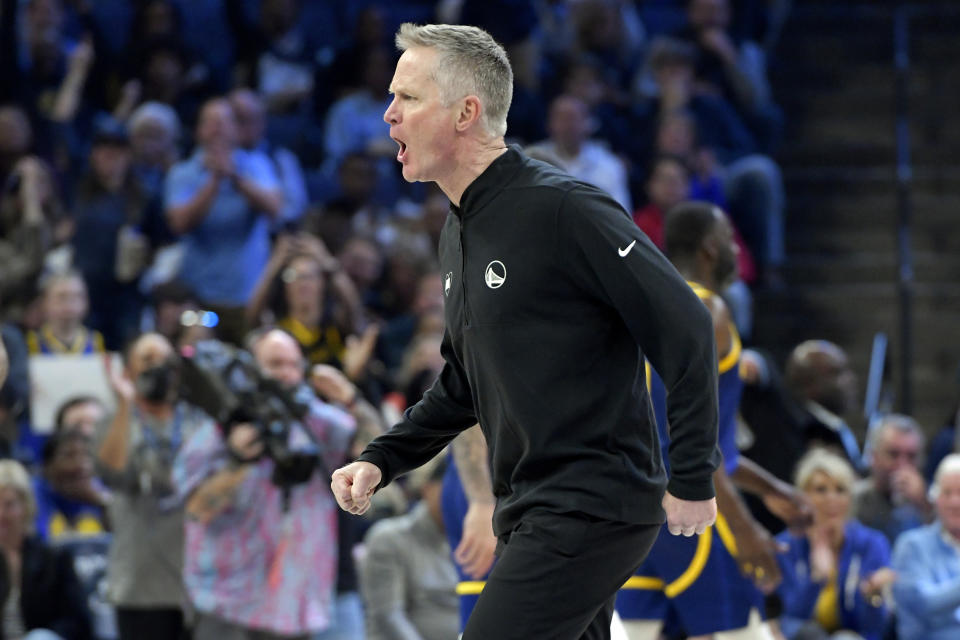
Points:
[[463, 277]]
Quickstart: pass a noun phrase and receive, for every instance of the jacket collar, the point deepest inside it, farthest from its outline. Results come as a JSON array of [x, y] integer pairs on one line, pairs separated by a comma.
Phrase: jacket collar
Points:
[[490, 183]]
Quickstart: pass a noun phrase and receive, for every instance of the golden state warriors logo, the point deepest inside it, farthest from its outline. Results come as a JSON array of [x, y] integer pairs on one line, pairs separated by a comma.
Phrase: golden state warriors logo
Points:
[[495, 274]]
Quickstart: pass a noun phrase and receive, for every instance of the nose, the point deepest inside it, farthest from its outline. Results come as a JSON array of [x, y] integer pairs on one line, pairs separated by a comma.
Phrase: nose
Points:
[[391, 115]]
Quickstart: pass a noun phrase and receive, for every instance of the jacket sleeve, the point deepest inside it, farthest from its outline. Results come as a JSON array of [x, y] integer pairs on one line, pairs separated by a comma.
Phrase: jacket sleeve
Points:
[[383, 581], [445, 410], [871, 620], [616, 261], [915, 589], [797, 591]]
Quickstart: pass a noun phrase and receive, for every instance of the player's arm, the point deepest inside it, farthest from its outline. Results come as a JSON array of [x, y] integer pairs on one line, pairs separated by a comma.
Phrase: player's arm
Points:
[[782, 499], [476, 549], [755, 547]]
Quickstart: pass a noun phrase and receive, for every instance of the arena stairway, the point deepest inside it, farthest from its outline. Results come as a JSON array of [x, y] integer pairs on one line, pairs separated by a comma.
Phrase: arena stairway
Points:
[[834, 75]]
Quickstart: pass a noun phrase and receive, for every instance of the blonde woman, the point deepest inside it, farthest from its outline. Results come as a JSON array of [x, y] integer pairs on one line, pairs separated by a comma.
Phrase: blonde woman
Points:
[[834, 574], [43, 598]]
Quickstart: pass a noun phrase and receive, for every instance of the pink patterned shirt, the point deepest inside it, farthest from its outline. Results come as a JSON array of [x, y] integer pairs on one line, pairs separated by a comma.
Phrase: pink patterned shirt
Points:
[[255, 565]]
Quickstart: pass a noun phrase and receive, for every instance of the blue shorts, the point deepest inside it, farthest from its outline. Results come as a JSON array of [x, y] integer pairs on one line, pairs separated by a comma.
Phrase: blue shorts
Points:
[[695, 580], [453, 505]]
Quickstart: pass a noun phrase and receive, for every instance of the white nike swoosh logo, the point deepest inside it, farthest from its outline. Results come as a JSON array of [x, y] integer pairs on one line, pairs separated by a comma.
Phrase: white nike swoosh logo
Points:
[[623, 252]]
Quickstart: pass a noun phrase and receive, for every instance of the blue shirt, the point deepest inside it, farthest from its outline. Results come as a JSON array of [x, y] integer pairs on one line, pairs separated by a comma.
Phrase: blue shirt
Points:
[[927, 590], [226, 252], [864, 551], [59, 515]]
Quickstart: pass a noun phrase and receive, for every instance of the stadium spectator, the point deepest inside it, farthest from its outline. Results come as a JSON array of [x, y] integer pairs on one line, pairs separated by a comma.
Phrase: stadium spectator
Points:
[[135, 453], [408, 578], [834, 575], [283, 584], [70, 500], [15, 391], [354, 209], [110, 246], [736, 70], [65, 305], [16, 140], [31, 217], [893, 497], [163, 78], [154, 135], [821, 380], [309, 296], [222, 200], [81, 414], [705, 130], [251, 118], [43, 599], [570, 126], [927, 562]]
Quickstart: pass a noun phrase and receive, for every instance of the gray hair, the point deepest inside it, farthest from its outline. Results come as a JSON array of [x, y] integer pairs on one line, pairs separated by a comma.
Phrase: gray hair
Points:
[[827, 462], [469, 62], [896, 422], [948, 466], [162, 114]]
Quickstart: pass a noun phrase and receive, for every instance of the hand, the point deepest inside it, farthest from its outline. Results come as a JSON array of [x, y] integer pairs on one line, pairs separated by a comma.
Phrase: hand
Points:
[[757, 557], [907, 483], [82, 56], [332, 385], [283, 250], [789, 505], [311, 244], [4, 364], [358, 352], [717, 41], [245, 442], [219, 160], [30, 168], [689, 517], [874, 585], [354, 484], [475, 552], [122, 386], [130, 94], [751, 366]]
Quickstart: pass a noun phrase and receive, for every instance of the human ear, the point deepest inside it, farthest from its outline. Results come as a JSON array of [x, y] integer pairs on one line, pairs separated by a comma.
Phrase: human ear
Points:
[[470, 112]]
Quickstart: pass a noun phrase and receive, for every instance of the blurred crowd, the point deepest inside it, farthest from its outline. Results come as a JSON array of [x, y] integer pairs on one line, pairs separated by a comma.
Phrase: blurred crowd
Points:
[[174, 171]]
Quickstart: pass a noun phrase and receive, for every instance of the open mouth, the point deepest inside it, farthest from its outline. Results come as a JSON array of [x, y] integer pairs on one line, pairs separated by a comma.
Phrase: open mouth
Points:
[[402, 153]]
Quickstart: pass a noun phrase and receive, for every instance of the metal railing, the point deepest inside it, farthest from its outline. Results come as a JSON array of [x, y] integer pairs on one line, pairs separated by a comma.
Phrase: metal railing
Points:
[[904, 173]]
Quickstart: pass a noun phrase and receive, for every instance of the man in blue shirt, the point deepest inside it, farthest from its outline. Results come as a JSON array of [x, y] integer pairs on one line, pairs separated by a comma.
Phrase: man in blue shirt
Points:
[[221, 200]]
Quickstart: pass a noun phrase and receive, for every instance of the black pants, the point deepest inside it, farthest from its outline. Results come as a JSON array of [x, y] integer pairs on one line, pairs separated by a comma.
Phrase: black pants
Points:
[[556, 578], [150, 624]]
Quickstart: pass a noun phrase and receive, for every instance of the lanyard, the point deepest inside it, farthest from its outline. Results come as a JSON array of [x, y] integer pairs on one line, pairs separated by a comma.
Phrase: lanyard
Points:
[[176, 432], [154, 451]]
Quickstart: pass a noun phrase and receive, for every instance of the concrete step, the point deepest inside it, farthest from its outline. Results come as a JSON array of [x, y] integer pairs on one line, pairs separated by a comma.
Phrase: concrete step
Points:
[[868, 267]]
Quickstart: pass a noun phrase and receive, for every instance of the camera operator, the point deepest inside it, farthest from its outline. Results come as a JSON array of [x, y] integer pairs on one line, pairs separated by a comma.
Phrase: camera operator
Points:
[[254, 569], [135, 453]]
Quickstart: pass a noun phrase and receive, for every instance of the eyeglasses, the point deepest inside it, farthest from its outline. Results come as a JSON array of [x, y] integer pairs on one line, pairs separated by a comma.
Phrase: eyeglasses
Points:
[[291, 275], [191, 318]]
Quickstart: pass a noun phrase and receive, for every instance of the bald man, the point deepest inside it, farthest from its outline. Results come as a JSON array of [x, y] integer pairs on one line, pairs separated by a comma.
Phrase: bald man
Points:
[[289, 539], [820, 378]]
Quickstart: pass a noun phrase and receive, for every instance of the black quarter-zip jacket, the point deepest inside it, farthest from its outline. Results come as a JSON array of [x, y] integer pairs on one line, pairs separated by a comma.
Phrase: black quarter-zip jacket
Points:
[[553, 297]]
